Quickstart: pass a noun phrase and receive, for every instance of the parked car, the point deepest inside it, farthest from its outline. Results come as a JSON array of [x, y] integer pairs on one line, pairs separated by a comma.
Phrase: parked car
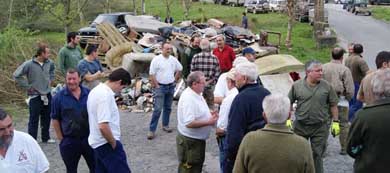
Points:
[[378, 2], [235, 3], [256, 6], [358, 7], [117, 19], [302, 9], [277, 5], [311, 16]]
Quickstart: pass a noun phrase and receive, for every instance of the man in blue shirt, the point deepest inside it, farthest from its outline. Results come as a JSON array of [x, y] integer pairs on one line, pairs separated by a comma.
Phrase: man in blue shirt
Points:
[[70, 121]]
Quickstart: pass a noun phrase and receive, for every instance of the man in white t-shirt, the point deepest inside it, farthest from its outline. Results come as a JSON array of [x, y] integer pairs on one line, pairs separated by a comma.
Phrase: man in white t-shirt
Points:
[[19, 152], [164, 71], [224, 114], [104, 124], [195, 122]]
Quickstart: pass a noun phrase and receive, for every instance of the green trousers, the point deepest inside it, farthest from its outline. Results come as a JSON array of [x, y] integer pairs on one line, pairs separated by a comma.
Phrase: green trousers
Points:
[[191, 154], [344, 127], [317, 134]]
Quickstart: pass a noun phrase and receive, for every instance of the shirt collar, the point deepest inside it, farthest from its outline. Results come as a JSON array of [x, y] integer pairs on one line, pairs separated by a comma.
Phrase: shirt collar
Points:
[[82, 93], [279, 128]]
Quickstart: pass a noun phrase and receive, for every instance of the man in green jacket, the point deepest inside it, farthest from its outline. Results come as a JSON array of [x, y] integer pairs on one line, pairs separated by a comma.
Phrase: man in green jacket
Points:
[[189, 53], [275, 148], [70, 55], [316, 103], [368, 139]]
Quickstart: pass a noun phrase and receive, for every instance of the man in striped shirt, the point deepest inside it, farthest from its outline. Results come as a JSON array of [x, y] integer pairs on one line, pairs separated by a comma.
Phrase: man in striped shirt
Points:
[[207, 63]]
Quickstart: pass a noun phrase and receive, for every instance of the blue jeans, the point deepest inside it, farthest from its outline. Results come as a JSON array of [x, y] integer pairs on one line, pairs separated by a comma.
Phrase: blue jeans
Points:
[[354, 104], [71, 150], [222, 146], [163, 97], [111, 160], [39, 111]]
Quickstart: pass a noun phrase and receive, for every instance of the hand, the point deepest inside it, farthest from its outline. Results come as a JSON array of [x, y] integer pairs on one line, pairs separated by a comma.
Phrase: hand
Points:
[[335, 129], [219, 132], [113, 145], [289, 124], [213, 119]]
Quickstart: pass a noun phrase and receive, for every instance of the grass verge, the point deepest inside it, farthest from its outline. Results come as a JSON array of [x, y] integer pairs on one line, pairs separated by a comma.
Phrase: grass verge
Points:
[[381, 12]]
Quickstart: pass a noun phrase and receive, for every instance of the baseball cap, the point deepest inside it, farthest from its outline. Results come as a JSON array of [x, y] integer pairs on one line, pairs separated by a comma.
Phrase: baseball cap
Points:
[[248, 50]]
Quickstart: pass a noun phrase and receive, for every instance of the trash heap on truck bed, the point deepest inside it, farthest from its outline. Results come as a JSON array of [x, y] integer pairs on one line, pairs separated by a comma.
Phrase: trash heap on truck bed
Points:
[[135, 50]]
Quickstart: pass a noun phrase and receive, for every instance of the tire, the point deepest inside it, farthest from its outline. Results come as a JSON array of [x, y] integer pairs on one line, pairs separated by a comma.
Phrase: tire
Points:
[[356, 13], [353, 10]]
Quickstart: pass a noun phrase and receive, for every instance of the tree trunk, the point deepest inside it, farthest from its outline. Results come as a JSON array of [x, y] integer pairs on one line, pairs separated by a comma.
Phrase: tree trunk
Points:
[[81, 14], [290, 12], [134, 7], [10, 13], [143, 6]]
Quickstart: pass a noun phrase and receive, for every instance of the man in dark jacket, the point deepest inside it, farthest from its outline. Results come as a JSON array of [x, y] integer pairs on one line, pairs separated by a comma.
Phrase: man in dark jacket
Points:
[[246, 111], [368, 139]]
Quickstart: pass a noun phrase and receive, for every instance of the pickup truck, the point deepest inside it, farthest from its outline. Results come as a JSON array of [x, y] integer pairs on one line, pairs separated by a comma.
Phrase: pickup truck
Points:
[[90, 32]]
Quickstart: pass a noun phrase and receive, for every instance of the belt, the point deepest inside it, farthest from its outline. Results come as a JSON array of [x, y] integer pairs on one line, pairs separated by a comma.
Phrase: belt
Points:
[[165, 84]]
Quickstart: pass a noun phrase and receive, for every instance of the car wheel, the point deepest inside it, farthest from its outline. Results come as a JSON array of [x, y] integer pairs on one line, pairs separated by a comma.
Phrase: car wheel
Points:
[[353, 10], [356, 13]]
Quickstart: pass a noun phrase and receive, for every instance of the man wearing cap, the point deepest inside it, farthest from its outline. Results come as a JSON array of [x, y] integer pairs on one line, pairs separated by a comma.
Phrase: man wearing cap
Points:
[[224, 114], [249, 54]]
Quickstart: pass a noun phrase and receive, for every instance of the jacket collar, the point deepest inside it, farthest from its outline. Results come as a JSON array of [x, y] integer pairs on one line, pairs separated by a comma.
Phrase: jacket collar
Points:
[[278, 128], [385, 101], [251, 85]]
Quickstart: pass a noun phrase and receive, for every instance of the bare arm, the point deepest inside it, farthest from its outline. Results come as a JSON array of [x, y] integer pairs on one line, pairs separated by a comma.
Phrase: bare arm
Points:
[[218, 100], [335, 112], [201, 123], [91, 77], [107, 134], [177, 76], [154, 81], [57, 128]]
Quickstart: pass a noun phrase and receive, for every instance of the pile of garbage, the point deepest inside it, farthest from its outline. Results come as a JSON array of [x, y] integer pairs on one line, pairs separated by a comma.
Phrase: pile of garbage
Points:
[[135, 50]]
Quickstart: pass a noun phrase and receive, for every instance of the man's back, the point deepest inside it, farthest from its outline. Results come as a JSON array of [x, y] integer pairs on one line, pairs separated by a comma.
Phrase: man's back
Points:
[[340, 77], [358, 67], [274, 149], [369, 141]]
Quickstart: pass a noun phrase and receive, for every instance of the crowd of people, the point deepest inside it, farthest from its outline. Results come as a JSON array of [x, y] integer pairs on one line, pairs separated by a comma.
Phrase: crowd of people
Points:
[[224, 92]]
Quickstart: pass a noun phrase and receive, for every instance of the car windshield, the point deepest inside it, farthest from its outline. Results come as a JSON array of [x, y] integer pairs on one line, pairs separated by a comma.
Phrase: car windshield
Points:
[[104, 18]]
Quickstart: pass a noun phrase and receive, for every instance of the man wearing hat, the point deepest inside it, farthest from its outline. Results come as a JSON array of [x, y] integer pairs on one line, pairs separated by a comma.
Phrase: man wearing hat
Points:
[[249, 54]]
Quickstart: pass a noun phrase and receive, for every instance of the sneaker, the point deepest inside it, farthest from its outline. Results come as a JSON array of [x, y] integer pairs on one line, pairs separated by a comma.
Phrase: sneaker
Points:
[[150, 135], [167, 129], [50, 141]]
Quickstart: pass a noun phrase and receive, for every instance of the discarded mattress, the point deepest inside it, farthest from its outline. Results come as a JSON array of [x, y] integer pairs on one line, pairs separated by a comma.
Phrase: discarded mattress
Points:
[[276, 64], [136, 63], [144, 24]]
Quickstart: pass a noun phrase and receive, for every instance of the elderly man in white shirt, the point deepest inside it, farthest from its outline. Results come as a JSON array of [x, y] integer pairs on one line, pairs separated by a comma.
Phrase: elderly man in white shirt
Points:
[[164, 71], [224, 114], [221, 88], [195, 122], [19, 152]]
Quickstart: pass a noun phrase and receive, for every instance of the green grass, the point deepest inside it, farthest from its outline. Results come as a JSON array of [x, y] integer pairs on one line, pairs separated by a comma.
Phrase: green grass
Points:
[[18, 112], [381, 12]]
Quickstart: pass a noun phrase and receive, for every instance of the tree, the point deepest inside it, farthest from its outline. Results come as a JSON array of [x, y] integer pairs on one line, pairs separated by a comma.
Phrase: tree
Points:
[[291, 16], [168, 4], [187, 5], [65, 11], [10, 13], [143, 6]]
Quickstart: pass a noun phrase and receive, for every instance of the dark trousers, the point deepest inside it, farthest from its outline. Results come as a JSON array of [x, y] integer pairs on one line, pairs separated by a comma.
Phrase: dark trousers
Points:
[[39, 111], [354, 104], [190, 153], [109, 160], [71, 150]]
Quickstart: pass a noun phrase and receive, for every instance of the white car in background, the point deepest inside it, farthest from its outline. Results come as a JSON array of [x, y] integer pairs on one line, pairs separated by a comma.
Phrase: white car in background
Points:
[[277, 5]]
